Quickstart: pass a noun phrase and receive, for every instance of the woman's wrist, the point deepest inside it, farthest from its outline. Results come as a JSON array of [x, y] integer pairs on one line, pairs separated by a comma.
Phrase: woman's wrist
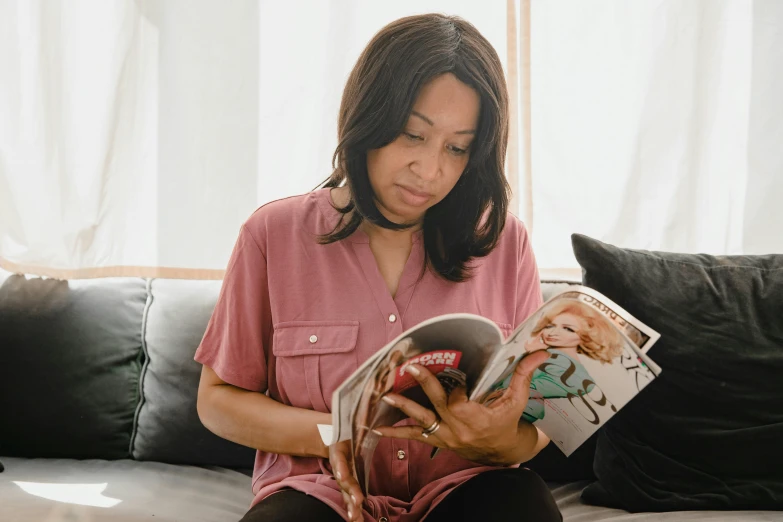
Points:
[[319, 448], [534, 439], [519, 447], [529, 441]]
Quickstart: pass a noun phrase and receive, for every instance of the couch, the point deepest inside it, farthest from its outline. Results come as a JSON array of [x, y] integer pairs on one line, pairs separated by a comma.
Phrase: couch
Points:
[[99, 422]]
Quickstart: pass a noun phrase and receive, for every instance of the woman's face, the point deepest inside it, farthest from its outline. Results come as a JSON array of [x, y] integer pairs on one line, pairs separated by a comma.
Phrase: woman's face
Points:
[[563, 331], [421, 166]]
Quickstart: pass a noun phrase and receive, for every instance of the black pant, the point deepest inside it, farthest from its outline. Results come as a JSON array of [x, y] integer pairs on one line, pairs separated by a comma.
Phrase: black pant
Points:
[[502, 495]]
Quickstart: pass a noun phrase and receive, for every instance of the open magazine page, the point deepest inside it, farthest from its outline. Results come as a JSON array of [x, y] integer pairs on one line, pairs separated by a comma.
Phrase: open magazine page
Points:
[[346, 396], [638, 332], [593, 370], [455, 348], [370, 411]]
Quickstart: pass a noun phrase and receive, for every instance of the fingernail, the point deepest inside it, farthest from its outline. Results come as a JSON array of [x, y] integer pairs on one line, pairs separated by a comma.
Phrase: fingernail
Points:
[[388, 401], [353, 497], [412, 370], [378, 433], [337, 475], [350, 512]]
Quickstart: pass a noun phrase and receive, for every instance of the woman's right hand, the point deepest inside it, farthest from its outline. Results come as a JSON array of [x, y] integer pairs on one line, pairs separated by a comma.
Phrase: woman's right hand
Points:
[[340, 459]]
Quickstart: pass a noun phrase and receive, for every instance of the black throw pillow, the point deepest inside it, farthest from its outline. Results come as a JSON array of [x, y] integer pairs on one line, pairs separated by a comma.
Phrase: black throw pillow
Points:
[[72, 354], [708, 433], [553, 466]]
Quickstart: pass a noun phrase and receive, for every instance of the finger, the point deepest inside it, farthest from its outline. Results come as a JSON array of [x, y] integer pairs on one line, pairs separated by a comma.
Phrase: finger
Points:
[[354, 509], [352, 501], [458, 396], [432, 387], [339, 461], [348, 505], [351, 488], [342, 472], [414, 410], [414, 433], [519, 388]]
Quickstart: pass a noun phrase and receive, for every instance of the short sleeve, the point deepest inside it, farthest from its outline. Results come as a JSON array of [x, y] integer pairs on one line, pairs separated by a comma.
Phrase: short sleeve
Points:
[[529, 297], [235, 342]]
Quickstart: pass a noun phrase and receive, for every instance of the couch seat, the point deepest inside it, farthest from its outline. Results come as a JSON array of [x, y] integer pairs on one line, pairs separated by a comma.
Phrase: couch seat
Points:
[[65, 490]]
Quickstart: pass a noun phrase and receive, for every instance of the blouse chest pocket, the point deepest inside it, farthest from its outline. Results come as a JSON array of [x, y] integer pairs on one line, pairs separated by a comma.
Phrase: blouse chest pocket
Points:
[[313, 358]]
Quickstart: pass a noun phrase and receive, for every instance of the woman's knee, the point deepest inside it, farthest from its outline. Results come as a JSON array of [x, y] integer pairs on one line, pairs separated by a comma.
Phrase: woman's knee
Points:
[[290, 505], [507, 494], [520, 481]]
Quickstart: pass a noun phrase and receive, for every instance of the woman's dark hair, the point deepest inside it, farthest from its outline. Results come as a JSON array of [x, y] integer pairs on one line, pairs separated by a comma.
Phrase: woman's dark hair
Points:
[[377, 102]]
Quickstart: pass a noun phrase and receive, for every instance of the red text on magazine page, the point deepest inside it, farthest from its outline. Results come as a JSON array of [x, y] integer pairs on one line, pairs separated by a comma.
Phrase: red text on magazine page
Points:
[[444, 364]]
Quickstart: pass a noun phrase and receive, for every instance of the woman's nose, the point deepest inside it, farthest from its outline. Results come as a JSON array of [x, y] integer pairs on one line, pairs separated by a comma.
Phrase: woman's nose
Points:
[[428, 163]]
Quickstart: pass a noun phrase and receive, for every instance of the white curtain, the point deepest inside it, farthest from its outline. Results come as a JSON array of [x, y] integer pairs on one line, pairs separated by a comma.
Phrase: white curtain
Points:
[[128, 134], [136, 136], [657, 125]]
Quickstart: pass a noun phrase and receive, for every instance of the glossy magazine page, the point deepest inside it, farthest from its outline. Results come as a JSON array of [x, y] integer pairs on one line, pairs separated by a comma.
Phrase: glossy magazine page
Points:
[[594, 367], [455, 348]]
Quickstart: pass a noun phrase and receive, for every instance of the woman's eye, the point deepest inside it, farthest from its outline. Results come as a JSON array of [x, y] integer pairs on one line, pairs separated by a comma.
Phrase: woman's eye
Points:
[[413, 136], [567, 329], [547, 327], [458, 151]]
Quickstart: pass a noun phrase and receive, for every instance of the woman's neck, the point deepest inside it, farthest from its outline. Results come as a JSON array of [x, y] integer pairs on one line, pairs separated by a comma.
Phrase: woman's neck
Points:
[[402, 238]]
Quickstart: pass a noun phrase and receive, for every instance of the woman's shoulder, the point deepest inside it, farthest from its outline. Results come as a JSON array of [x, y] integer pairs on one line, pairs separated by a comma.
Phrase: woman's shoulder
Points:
[[514, 238], [310, 213], [515, 228]]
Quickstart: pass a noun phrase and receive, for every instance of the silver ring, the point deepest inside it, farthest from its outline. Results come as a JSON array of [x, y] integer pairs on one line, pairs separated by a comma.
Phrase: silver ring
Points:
[[432, 429]]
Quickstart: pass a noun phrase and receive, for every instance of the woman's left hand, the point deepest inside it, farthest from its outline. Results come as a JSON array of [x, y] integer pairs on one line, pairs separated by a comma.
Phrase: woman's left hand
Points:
[[492, 435], [340, 459]]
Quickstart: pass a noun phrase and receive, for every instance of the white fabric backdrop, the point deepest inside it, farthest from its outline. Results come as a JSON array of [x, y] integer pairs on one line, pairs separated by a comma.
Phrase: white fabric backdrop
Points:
[[657, 125], [136, 135], [140, 134], [129, 132]]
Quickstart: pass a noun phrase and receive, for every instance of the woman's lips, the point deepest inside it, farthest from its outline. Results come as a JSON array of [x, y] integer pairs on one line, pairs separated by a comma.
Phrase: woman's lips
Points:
[[413, 197]]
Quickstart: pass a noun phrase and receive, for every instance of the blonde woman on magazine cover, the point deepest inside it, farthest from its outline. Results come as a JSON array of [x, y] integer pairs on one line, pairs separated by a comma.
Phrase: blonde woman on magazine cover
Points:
[[567, 329]]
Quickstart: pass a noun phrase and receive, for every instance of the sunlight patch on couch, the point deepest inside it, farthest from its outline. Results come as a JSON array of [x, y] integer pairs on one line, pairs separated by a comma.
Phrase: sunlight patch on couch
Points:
[[82, 494]]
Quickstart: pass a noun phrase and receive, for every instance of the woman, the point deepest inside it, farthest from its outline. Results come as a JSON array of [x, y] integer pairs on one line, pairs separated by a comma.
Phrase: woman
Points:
[[567, 329], [411, 224]]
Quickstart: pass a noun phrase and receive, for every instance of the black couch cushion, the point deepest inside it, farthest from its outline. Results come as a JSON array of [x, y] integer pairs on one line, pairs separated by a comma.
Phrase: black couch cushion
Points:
[[707, 433], [71, 355]]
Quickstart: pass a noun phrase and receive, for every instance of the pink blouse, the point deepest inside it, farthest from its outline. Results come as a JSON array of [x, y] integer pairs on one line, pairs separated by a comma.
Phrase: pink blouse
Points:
[[282, 290]]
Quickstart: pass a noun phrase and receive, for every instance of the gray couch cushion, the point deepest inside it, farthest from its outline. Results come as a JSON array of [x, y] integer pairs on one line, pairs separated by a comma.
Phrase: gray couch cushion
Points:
[[168, 428], [551, 287], [64, 490], [706, 434], [57, 490], [71, 354]]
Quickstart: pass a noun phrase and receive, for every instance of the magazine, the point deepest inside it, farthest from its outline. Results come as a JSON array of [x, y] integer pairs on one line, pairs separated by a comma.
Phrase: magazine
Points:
[[597, 364]]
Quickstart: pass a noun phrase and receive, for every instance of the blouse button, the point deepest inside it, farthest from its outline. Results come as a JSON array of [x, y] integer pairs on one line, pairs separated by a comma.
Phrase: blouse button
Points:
[[392, 318], [383, 519], [313, 339], [400, 455]]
